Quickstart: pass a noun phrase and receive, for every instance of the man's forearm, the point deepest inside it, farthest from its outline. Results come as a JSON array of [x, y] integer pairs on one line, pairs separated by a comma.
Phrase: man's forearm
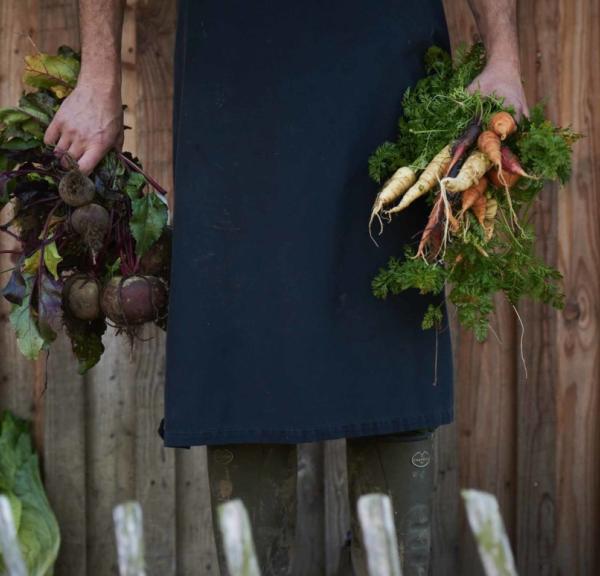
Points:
[[101, 24], [497, 23]]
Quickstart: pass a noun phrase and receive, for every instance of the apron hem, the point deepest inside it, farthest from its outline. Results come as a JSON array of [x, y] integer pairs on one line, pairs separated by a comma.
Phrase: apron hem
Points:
[[180, 439]]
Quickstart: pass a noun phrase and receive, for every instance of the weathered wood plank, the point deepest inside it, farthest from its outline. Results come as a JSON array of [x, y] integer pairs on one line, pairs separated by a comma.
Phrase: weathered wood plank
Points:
[[310, 530], [129, 534], [536, 401], [337, 511], [62, 418], [489, 531], [155, 465], [376, 517], [445, 505], [578, 207], [196, 549], [485, 385], [110, 449], [17, 375], [238, 544]]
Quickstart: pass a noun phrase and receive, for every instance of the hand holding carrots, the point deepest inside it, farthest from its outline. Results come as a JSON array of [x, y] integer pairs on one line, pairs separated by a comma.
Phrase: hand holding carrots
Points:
[[504, 80]]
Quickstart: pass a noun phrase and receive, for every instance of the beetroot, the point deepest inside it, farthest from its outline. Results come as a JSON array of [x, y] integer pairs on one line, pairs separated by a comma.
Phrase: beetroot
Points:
[[76, 189], [157, 260], [81, 295], [92, 223], [133, 300]]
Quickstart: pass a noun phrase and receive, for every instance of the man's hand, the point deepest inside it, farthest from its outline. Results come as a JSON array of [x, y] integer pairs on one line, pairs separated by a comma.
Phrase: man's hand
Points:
[[90, 121], [497, 24], [87, 125], [504, 80]]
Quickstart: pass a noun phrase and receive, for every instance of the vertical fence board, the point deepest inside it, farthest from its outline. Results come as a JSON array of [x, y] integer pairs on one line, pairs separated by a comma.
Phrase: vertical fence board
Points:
[[110, 449], [64, 399], [18, 20], [196, 550], [337, 513], [310, 530], [536, 496], [485, 387], [533, 443], [155, 465], [578, 393]]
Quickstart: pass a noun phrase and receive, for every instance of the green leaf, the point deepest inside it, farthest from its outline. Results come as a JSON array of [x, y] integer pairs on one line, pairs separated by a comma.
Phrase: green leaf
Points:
[[21, 144], [29, 339], [51, 259], [13, 116], [135, 184], [433, 317], [86, 340], [55, 73], [148, 219]]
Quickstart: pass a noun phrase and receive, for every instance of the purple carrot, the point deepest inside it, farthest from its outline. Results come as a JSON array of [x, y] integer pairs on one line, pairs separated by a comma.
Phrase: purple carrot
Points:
[[463, 143]]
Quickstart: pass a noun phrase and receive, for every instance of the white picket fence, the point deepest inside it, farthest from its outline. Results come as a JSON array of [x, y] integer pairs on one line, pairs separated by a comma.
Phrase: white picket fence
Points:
[[376, 520]]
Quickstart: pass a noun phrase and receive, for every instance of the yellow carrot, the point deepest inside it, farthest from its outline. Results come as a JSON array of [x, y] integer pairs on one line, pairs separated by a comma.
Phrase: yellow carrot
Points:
[[491, 208], [475, 166], [392, 189], [427, 180]]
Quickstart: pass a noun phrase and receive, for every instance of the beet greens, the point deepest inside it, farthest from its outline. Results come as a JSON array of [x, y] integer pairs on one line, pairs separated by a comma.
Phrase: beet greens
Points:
[[62, 225]]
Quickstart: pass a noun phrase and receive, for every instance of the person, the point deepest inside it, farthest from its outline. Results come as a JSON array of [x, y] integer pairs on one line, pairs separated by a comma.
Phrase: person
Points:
[[274, 337]]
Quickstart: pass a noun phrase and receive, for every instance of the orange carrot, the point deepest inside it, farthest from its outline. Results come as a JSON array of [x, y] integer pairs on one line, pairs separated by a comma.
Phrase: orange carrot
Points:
[[502, 124], [510, 179], [472, 194], [489, 143], [478, 208]]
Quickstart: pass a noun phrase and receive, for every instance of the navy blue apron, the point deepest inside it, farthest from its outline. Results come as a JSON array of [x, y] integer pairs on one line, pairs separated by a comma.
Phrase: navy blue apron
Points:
[[273, 332]]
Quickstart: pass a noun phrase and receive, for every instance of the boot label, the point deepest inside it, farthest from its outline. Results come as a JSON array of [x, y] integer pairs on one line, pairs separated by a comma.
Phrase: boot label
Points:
[[421, 459]]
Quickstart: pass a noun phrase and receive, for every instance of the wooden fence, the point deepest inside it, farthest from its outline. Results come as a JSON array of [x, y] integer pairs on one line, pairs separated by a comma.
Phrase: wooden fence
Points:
[[532, 442]]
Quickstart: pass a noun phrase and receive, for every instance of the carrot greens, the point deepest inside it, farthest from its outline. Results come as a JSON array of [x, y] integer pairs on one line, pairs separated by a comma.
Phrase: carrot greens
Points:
[[478, 239]]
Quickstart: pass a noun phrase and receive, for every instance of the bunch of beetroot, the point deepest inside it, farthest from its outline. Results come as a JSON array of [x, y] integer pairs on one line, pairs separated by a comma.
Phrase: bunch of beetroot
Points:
[[86, 251]]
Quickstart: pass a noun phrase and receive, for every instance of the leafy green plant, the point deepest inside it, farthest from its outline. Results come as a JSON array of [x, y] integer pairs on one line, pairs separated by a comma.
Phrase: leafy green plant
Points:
[[37, 528]]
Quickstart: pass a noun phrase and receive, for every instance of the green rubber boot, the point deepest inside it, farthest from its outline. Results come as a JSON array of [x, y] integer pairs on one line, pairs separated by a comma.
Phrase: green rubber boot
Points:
[[400, 465], [263, 476]]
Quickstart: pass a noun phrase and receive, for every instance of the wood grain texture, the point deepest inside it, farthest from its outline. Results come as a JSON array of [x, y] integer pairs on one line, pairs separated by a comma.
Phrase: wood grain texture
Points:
[[195, 542], [532, 442], [485, 386], [155, 465], [60, 415], [310, 530], [536, 407], [337, 511], [578, 329], [18, 21]]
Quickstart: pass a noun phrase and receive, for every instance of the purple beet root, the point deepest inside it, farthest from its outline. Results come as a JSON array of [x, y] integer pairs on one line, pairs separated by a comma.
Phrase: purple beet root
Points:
[[92, 223], [134, 300], [76, 189], [81, 295]]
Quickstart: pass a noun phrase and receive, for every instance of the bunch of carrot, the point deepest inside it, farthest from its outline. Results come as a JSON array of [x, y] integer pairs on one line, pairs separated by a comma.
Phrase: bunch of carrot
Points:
[[464, 174]]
